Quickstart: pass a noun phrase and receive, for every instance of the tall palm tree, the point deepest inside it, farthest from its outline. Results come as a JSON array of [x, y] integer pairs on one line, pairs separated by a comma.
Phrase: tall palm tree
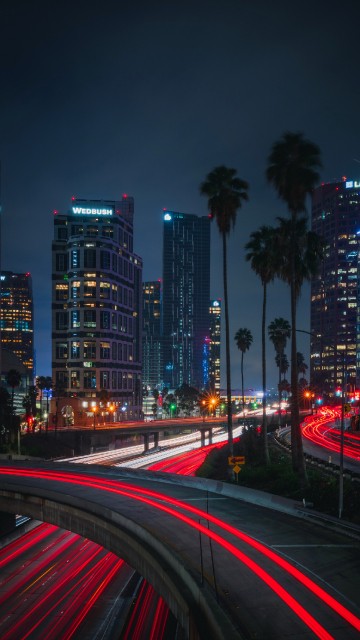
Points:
[[292, 169], [263, 257], [279, 330], [243, 339], [226, 193], [300, 363], [301, 251]]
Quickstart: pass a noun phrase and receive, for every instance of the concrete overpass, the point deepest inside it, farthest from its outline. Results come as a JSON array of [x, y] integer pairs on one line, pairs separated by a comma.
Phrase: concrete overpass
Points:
[[207, 575]]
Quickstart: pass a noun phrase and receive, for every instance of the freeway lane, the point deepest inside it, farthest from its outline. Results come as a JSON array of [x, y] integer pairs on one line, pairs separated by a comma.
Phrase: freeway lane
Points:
[[250, 585]]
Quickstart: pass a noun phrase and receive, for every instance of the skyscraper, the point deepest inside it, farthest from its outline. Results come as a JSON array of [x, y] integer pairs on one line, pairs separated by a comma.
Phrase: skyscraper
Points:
[[185, 302], [334, 292], [152, 352], [96, 306], [214, 345], [17, 317]]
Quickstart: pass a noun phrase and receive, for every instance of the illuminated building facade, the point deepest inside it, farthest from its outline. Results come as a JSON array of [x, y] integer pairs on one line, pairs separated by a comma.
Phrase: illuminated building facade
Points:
[[335, 340], [214, 347], [96, 307], [185, 299], [152, 352], [17, 318]]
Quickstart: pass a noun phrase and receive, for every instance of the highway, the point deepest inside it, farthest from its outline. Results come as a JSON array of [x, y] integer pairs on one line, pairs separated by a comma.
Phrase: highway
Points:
[[326, 582], [288, 570]]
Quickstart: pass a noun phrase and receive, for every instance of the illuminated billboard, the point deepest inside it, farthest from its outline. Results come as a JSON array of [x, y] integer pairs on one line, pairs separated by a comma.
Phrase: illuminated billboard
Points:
[[90, 209]]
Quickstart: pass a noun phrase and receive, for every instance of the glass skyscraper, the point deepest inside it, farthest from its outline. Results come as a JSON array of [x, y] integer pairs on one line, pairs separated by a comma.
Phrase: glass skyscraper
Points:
[[17, 317], [334, 292], [185, 300], [152, 352]]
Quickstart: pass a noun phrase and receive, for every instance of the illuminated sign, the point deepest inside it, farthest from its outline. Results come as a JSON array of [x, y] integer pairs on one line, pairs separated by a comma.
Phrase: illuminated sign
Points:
[[352, 184], [167, 216], [216, 303], [92, 211]]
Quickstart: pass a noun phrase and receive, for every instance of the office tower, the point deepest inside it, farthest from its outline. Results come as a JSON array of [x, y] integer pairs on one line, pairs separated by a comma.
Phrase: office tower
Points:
[[214, 345], [334, 292], [96, 307], [185, 302], [17, 318], [152, 354]]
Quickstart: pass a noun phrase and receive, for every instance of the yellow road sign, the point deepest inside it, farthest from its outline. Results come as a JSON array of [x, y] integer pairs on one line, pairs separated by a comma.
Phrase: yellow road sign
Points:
[[237, 468]]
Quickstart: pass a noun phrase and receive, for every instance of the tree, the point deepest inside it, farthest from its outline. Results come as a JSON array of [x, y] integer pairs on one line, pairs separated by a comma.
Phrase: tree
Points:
[[5, 413], [187, 397], [300, 363], [41, 385], [244, 340], [292, 169], [264, 258], [226, 193], [279, 330]]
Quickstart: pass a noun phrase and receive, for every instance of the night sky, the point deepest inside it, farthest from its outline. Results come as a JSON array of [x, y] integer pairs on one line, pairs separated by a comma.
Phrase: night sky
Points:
[[145, 98]]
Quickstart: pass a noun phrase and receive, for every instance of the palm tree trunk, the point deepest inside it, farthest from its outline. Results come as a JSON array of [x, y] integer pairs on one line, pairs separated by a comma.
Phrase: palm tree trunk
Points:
[[263, 350], [296, 436], [242, 382], [280, 363], [227, 349]]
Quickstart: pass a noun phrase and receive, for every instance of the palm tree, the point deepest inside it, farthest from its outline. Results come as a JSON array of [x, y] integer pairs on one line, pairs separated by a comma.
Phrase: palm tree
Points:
[[263, 257], [279, 330], [226, 193], [292, 169], [301, 364], [243, 339], [301, 251]]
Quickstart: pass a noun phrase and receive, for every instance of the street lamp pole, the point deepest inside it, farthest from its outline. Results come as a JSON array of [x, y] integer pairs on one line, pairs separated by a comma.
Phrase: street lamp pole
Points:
[[341, 463]]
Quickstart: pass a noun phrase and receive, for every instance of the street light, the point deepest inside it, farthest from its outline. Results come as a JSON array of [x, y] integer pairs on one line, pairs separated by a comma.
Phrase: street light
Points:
[[94, 410], [112, 410]]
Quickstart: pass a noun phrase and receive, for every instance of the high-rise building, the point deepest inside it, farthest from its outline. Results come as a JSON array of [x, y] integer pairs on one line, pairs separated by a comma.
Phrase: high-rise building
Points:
[[96, 307], [185, 301], [334, 291], [214, 345], [151, 352], [17, 317]]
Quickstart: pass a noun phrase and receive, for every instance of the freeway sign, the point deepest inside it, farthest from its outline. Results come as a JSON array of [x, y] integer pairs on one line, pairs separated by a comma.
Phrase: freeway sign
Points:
[[232, 460]]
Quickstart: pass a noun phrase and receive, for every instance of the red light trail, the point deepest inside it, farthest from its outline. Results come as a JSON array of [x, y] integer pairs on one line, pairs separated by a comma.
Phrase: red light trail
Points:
[[152, 499], [318, 429]]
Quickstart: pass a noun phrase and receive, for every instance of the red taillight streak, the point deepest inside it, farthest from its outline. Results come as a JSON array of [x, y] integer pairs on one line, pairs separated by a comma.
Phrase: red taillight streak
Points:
[[113, 487], [51, 595], [253, 566], [80, 613], [160, 619], [36, 570], [27, 543], [134, 614]]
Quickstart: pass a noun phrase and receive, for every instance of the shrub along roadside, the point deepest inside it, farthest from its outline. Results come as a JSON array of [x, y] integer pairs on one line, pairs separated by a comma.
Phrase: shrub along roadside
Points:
[[279, 478]]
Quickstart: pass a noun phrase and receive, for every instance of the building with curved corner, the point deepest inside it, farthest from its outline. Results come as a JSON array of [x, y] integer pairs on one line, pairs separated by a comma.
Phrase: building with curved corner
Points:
[[96, 309]]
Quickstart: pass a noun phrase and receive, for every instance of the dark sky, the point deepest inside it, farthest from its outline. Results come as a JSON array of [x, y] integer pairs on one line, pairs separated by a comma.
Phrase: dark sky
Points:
[[102, 98]]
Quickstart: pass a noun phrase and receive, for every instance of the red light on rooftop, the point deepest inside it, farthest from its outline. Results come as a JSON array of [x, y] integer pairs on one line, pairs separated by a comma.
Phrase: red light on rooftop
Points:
[[73, 198], [336, 188], [343, 178], [125, 195], [28, 273]]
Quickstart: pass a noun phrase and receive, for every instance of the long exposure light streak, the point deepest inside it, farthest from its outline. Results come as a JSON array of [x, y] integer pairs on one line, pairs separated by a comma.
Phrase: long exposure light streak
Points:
[[150, 497]]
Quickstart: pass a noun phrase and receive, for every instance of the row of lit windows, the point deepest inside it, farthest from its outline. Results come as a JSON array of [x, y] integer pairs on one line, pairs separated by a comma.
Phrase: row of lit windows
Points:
[[92, 318], [116, 351], [120, 380], [124, 239], [96, 290]]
